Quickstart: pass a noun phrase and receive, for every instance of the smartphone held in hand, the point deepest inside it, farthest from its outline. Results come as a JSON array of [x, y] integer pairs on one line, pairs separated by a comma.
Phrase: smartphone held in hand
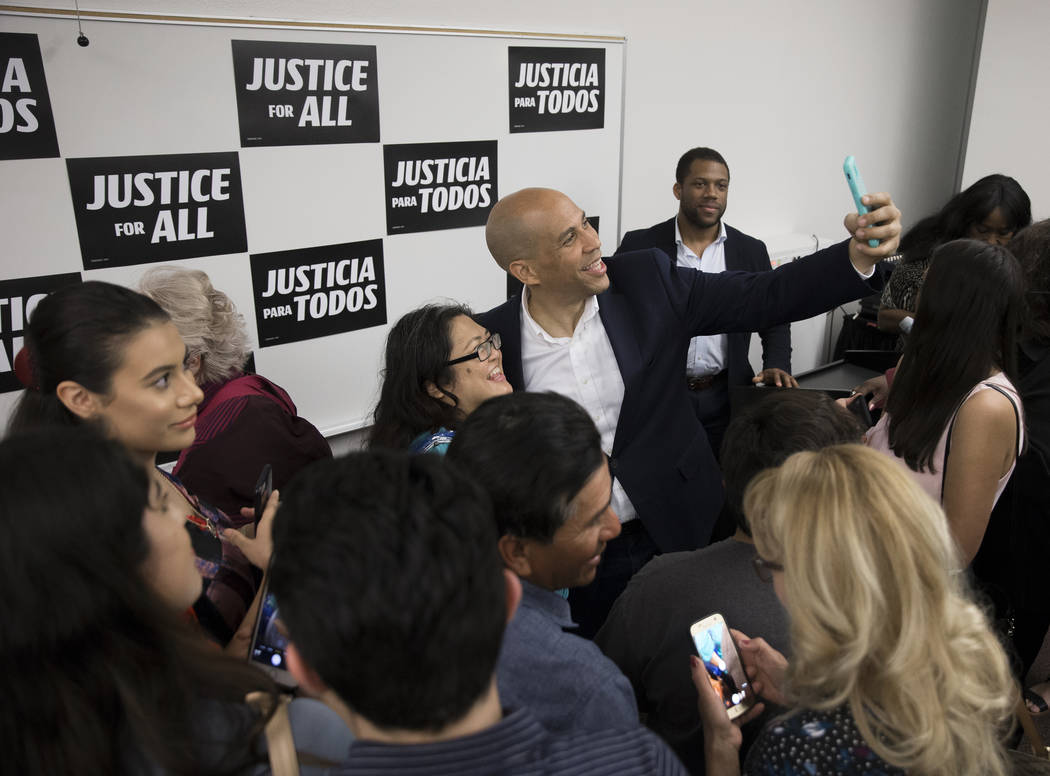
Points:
[[857, 189], [716, 649], [263, 489], [269, 642]]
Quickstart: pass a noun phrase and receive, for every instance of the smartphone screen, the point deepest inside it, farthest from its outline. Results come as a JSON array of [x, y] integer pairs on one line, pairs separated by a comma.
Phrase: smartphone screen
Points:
[[716, 649], [268, 643], [263, 489]]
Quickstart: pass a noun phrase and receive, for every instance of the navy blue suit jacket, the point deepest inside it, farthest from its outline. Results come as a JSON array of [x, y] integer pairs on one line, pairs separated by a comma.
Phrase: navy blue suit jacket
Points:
[[743, 254], [650, 312]]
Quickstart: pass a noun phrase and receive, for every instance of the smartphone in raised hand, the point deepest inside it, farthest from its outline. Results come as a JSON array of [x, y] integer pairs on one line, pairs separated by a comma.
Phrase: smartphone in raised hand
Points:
[[718, 652], [857, 189]]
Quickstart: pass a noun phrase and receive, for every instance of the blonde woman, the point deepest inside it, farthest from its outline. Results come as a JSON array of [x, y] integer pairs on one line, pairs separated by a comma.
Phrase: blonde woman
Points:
[[244, 421], [893, 668]]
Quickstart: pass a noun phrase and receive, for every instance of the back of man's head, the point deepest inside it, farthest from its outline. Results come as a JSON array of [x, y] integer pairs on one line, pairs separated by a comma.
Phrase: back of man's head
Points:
[[533, 452], [768, 432], [388, 580]]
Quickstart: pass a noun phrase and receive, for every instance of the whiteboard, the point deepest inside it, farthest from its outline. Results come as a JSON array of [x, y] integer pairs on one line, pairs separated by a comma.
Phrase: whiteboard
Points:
[[152, 87]]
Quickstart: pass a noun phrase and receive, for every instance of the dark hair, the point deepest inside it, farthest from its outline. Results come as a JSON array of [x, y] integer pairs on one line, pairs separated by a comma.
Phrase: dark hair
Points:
[[968, 207], [966, 325], [78, 333], [779, 425], [1031, 246], [418, 349], [701, 154], [533, 452], [389, 581], [98, 675]]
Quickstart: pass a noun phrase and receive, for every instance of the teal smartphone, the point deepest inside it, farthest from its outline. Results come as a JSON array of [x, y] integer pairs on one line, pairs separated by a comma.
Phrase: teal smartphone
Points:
[[857, 189]]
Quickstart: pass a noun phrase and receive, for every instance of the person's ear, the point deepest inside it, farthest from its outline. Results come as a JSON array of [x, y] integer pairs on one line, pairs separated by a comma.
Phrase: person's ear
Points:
[[514, 552], [307, 677], [193, 365], [512, 589], [677, 189], [523, 272], [79, 400], [436, 393]]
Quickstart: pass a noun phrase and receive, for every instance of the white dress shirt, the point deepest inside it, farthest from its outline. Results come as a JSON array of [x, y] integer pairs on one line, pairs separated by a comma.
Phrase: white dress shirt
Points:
[[707, 354], [582, 367]]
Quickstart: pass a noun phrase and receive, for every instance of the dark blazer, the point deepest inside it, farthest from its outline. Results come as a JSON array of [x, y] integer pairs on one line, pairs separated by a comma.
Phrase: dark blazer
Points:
[[743, 254], [650, 312]]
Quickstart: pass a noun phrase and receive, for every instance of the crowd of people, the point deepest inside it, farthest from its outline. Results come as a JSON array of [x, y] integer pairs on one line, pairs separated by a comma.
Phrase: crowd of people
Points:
[[552, 494]]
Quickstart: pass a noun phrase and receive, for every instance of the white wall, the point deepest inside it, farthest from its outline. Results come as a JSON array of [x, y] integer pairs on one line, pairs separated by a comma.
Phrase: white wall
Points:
[[784, 90], [1011, 114]]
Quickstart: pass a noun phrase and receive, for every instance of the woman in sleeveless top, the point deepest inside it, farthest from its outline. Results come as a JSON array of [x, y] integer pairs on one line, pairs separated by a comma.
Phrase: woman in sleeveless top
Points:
[[953, 416]]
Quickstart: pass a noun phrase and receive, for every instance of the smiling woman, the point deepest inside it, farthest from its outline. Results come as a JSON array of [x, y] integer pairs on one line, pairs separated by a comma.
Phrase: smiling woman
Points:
[[440, 367], [104, 355]]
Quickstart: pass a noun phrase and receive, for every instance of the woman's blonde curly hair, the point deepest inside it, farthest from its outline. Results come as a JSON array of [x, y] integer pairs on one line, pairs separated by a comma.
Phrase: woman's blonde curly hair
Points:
[[209, 324], [881, 618]]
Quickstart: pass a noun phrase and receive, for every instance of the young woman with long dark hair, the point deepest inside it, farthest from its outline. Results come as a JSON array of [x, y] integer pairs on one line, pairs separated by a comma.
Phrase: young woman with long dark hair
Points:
[[440, 366], [953, 415], [101, 674], [104, 355]]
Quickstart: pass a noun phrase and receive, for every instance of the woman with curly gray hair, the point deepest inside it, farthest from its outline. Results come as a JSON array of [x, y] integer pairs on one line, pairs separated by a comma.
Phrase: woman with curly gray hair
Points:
[[245, 421]]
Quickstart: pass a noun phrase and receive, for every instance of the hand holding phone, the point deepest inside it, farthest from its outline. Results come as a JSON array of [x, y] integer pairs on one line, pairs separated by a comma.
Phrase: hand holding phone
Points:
[[725, 671], [858, 407], [269, 642], [263, 489], [857, 189]]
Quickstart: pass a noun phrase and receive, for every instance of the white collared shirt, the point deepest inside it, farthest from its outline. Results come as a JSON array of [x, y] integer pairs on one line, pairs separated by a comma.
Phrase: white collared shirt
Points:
[[582, 367], [707, 354]]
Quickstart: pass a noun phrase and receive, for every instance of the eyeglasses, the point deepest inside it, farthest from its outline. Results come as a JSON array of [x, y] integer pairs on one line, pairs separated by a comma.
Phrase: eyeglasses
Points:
[[765, 568], [481, 352]]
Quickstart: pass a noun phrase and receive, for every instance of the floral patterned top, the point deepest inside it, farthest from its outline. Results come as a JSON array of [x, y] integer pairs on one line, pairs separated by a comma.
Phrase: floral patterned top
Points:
[[814, 742]]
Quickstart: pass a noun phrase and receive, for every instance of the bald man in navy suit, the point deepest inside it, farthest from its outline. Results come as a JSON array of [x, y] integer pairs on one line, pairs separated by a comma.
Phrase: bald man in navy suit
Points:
[[613, 335]]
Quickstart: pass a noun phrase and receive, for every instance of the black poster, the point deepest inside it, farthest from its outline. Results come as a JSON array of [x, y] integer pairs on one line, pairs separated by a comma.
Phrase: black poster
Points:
[[514, 285], [554, 89], [314, 292], [141, 209], [431, 186], [27, 126], [18, 299], [305, 93]]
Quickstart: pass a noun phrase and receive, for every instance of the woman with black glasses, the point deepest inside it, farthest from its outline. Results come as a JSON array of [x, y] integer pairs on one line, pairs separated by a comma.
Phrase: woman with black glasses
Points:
[[440, 366]]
